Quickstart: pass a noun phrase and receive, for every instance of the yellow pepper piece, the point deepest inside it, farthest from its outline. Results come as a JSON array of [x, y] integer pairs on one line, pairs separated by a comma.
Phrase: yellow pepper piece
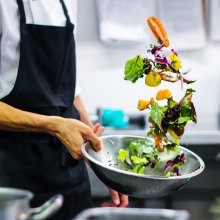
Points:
[[174, 136], [153, 79], [143, 104], [175, 61], [163, 94]]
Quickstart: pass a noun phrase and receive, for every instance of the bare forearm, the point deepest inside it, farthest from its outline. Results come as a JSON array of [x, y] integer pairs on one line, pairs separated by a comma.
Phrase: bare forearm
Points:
[[70, 132], [84, 116], [13, 119]]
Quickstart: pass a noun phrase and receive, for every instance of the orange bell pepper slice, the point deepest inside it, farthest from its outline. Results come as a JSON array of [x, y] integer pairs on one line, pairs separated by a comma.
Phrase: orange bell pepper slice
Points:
[[163, 94], [143, 104], [158, 30]]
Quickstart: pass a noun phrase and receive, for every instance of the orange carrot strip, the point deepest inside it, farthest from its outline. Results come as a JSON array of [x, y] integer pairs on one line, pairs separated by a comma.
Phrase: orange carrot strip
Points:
[[158, 30]]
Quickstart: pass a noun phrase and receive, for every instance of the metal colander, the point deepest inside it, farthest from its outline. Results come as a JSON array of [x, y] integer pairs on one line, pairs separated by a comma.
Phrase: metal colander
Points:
[[107, 168]]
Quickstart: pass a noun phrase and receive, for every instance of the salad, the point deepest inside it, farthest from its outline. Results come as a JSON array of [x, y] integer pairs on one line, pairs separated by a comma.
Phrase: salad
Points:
[[167, 120]]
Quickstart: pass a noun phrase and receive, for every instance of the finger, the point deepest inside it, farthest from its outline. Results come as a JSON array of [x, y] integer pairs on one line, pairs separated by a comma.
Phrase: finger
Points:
[[99, 131], [76, 156], [115, 197], [89, 135], [108, 204], [123, 200], [95, 127], [76, 153]]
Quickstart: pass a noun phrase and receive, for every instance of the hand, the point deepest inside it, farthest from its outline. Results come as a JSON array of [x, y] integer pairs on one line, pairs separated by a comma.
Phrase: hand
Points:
[[72, 134], [117, 200]]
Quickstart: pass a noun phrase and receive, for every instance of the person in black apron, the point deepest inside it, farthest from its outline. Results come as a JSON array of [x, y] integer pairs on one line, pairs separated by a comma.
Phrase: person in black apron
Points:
[[45, 85]]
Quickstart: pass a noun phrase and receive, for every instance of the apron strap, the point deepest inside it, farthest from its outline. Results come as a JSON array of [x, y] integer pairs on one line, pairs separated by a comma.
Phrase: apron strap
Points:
[[65, 12], [21, 10], [23, 17]]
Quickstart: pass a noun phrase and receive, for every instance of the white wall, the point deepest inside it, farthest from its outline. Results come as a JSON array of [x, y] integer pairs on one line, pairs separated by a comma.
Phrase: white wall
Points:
[[100, 72]]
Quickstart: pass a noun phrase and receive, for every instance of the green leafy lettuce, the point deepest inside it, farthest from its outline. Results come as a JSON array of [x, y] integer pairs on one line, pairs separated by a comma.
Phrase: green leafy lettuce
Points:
[[134, 69]]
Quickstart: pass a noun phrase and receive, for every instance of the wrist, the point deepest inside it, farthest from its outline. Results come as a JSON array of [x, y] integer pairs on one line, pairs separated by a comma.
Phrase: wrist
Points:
[[52, 124]]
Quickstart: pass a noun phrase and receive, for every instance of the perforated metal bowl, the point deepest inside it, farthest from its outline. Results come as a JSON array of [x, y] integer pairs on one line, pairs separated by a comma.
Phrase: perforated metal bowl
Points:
[[105, 165]]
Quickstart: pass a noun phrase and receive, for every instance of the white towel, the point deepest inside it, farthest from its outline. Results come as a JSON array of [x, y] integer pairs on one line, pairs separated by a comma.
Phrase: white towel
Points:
[[123, 20], [184, 23]]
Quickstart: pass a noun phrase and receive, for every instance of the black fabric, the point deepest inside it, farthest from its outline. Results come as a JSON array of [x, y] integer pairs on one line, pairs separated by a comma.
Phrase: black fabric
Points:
[[37, 167], [45, 176], [45, 68], [45, 84]]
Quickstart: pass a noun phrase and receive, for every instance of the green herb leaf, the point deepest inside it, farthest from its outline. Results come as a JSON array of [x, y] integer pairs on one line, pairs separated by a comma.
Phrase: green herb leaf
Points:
[[186, 110], [122, 154], [179, 164], [134, 69], [137, 160], [173, 147], [138, 169], [167, 174], [156, 115], [171, 103], [183, 120]]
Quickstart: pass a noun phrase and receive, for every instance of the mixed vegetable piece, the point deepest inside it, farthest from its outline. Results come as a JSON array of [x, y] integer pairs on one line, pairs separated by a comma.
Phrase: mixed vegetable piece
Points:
[[168, 120], [157, 67], [138, 156], [143, 158]]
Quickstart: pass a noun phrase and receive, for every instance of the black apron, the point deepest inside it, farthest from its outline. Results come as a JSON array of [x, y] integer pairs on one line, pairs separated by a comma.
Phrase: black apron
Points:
[[45, 84]]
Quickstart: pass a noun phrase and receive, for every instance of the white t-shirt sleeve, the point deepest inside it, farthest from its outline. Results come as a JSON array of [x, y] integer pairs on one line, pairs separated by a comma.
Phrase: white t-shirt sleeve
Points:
[[72, 10], [77, 90], [0, 22]]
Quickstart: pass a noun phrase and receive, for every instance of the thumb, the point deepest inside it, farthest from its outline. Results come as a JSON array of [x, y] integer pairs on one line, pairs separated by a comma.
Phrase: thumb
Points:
[[91, 136]]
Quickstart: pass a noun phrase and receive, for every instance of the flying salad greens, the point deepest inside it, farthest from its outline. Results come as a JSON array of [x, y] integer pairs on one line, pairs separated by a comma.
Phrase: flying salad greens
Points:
[[168, 120]]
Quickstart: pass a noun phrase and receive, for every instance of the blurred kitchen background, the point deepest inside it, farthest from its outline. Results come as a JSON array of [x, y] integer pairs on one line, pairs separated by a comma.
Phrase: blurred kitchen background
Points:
[[109, 32]]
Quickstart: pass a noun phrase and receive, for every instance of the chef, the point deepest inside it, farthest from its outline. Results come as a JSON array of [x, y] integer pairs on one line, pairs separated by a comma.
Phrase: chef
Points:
[[40, 128]]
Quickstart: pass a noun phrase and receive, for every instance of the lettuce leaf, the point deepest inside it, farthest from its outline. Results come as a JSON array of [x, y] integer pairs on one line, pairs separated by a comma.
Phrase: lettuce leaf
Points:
[[138, 169], [138, 160], [134, 69], [122, 154], [157, 114]]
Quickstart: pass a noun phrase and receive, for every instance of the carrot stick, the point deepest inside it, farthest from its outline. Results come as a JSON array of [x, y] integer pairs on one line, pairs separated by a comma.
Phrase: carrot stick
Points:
[[158, 30]]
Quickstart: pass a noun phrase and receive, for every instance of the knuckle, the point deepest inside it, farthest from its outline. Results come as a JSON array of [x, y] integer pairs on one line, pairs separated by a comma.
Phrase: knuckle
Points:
[[88, 131]]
